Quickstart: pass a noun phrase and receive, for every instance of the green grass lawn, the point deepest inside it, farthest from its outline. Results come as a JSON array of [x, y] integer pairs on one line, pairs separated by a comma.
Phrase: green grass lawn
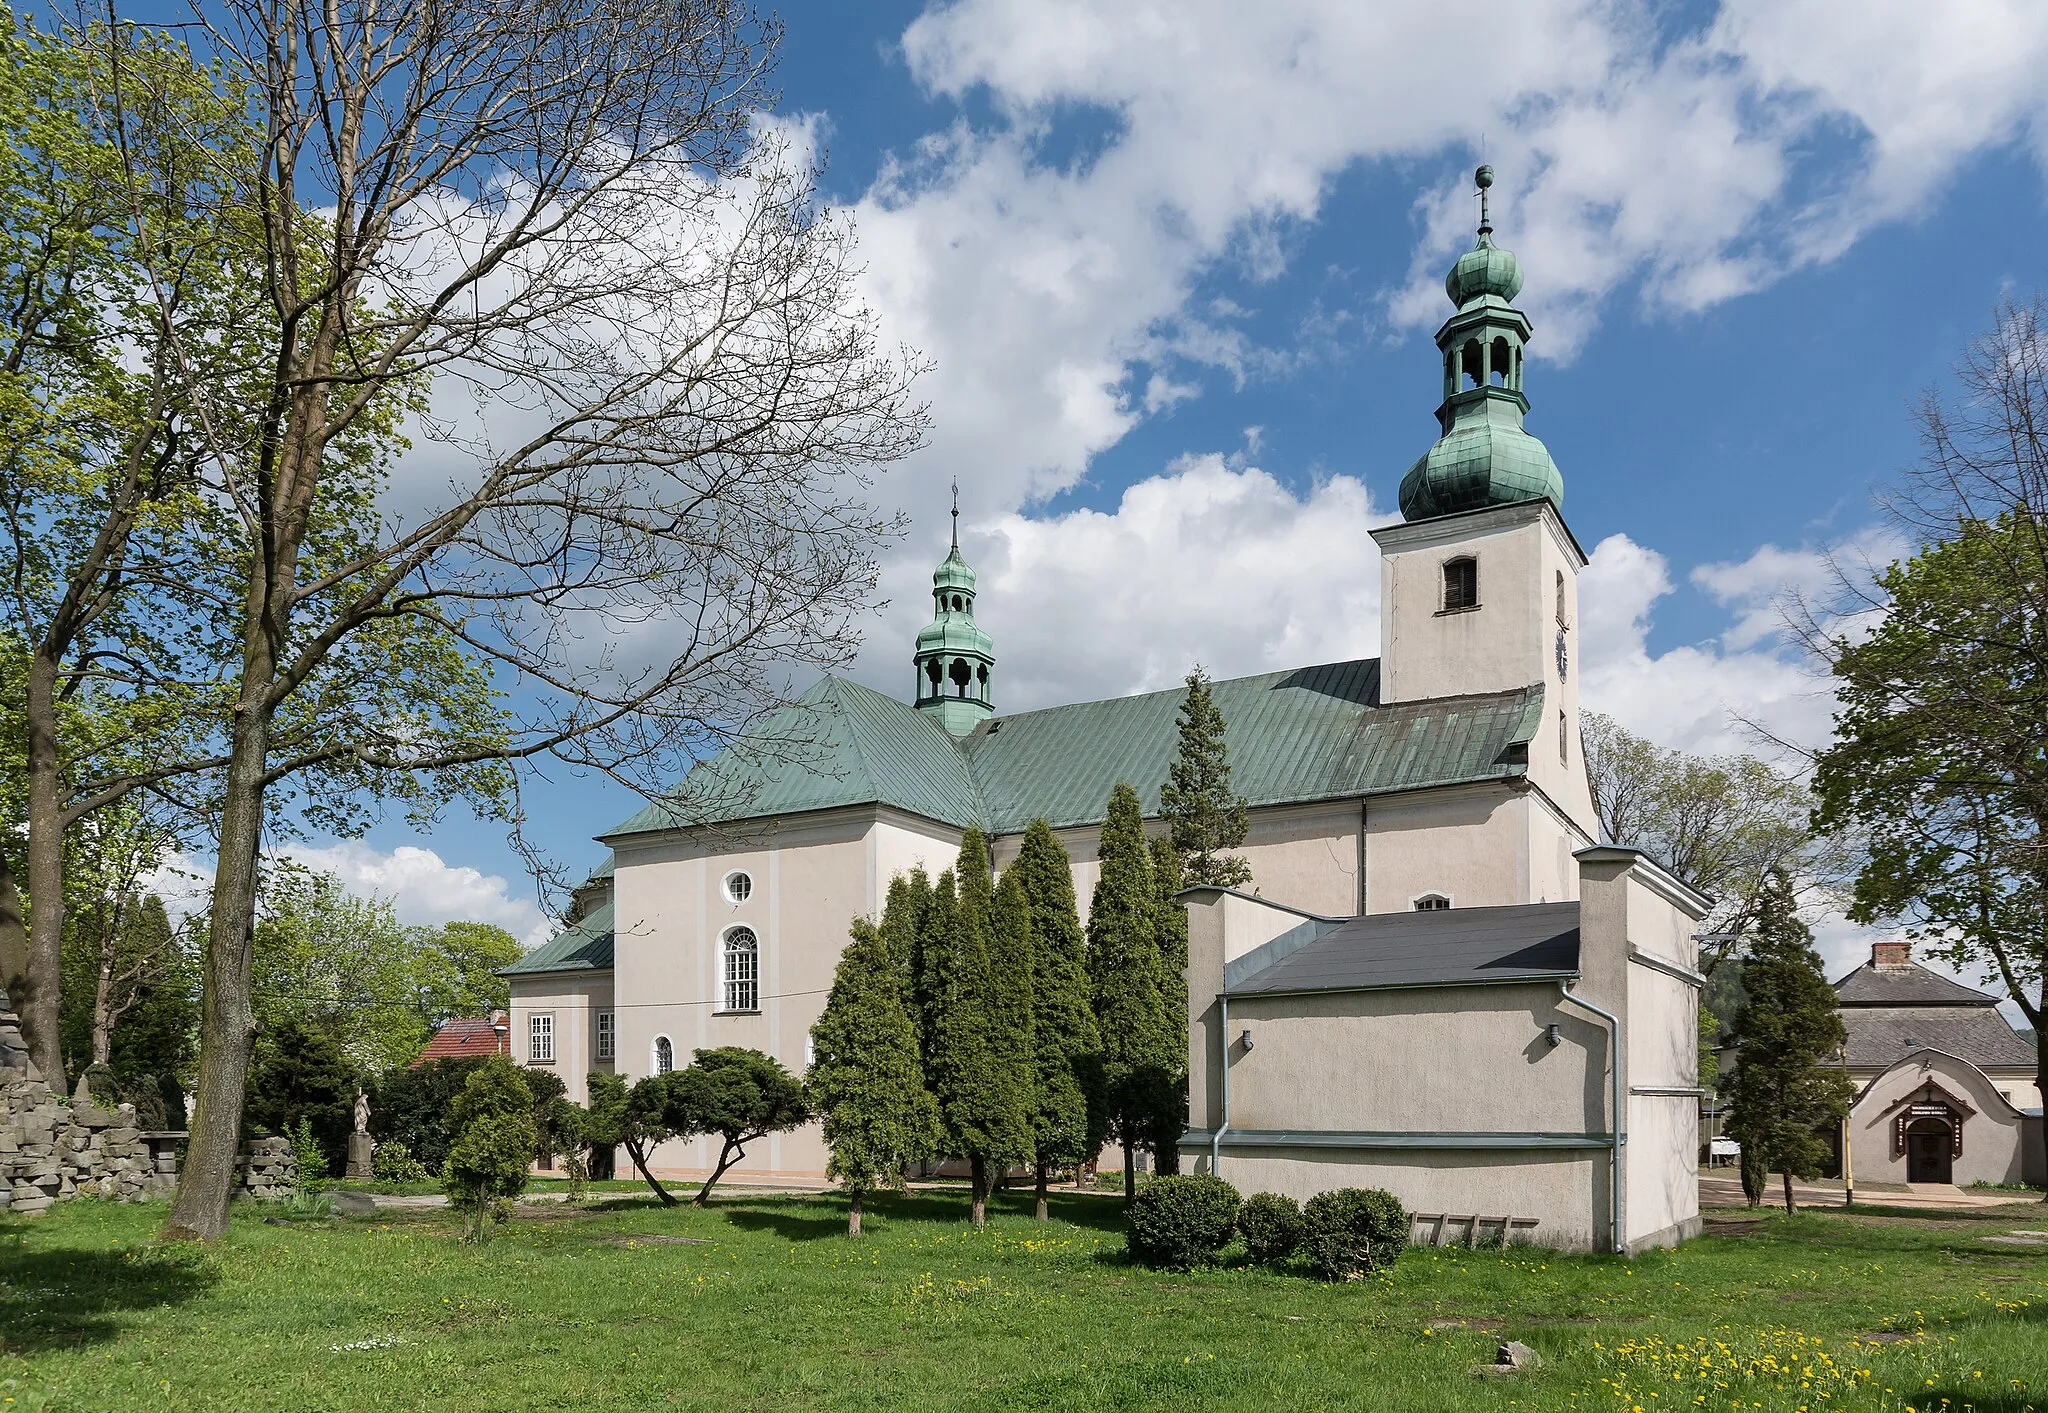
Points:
[[762, 1303]]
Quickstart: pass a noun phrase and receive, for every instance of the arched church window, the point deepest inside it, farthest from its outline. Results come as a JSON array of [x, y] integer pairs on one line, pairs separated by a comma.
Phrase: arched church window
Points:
[[664, 1055], [740, 970], [1474, 359], [981, 680], [958, 603], [1560, 598], [1564, 754], [961, 674], [1431, 903], [935, 672], [1461, 584], [1502, 361]]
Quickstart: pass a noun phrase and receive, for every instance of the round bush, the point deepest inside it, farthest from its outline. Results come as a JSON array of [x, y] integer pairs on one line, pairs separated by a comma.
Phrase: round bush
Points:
[[1271, 1226], [393, 1163], [1352, 1231], [1178, 1223]]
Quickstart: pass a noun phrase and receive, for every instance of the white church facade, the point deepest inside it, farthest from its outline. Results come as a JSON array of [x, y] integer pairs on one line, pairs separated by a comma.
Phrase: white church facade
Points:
[[1451, 989]]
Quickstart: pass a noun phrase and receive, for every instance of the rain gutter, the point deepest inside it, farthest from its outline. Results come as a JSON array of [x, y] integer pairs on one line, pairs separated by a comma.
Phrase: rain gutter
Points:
[[1619, 1131]]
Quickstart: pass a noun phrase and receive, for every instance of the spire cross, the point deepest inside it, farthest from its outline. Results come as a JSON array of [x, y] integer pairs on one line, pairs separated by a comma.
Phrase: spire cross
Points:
[[1484, 176], [956, 514]]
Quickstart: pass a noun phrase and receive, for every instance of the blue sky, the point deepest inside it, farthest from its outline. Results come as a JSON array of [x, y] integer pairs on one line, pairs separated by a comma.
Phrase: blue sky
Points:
[[1177, 265]]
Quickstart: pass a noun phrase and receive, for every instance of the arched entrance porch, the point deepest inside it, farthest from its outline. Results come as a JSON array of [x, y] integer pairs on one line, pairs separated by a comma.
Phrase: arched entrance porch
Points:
[[1930, 1150]]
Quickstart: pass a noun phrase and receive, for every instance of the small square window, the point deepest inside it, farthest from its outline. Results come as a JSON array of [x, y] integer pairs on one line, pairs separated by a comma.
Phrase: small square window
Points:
[[607, 1036], [540, 1039]]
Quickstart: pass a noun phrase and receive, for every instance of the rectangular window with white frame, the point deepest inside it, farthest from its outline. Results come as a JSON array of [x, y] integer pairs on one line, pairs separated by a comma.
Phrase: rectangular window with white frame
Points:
[[607, 1036], [540, 1039]]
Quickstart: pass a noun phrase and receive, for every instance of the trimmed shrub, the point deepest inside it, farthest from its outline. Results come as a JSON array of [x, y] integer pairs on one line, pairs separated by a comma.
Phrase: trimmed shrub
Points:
[[393, 1163], [1352, 1231], [1271, 1226], [306, 1152], [1178, 1223]]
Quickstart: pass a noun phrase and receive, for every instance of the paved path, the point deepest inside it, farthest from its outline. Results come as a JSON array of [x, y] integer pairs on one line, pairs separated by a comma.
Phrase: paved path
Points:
[[1725, 1190]]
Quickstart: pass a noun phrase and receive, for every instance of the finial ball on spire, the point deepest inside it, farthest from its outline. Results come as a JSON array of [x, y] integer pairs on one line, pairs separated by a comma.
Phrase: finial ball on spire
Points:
[[1484, 176]]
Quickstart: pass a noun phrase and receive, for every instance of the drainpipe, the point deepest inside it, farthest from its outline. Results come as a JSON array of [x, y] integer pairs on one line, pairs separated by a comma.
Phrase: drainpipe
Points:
[[1620, 1134], [1222, 1119]]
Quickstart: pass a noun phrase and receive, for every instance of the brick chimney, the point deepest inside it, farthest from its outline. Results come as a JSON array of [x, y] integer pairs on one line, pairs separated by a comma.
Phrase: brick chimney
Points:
[[1891, 954]]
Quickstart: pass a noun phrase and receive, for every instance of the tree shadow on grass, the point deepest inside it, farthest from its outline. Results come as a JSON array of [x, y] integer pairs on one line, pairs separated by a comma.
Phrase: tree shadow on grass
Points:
[[815, 1217], [63, 1297]]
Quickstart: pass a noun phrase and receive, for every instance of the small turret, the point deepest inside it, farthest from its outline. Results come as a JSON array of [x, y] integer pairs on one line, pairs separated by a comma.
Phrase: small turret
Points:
[[954, 658], [1484, 456]]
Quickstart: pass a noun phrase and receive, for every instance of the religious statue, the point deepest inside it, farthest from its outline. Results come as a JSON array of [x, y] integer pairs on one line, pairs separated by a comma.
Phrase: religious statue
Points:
[[361, 1150], [362, 1112]]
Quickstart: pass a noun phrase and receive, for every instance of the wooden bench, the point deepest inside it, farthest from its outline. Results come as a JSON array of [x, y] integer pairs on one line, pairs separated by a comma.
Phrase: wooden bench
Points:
[[1463, 1229]]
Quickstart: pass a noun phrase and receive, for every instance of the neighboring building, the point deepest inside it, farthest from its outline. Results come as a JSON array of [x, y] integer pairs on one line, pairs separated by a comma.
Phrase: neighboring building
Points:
[[1945, 1088], [1443, 778], [467, 1038]]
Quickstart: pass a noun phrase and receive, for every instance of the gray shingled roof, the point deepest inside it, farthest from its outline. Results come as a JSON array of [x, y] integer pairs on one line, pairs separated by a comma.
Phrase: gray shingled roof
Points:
[[1448, 947], [1881, 1036], [1907, 985], [582, 946], [1312, 733]]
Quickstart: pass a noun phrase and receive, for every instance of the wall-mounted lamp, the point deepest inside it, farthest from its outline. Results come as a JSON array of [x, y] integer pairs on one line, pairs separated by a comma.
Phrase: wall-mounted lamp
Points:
[[1550, 1034], [1245, 1042]]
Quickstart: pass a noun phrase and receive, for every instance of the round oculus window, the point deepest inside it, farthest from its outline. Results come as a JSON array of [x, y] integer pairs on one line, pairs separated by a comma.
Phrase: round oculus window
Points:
[[738, 887]]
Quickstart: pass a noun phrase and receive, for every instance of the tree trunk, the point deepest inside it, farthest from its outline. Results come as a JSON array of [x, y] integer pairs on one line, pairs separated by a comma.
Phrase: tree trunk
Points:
[[1790, 1206], [727, 1156], [1038, 1209], [38, 1001], [1130, 1176], [2040, 1068], [227, 1025], [103, 992], [853, 1214], [640, 1162], [978, 1181]]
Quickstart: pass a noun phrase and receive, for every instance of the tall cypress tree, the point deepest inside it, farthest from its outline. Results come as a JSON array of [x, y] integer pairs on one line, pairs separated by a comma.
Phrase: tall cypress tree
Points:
[[928, 927], [1787, 1084], [1139, 1050], [910, 897], [1207, 817], [866, 1081], [1066, 1046], [979, 1066], [1171, 920]]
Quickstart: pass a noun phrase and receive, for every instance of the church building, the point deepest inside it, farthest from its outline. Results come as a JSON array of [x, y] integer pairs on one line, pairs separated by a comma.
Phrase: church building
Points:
[[1438, 981]]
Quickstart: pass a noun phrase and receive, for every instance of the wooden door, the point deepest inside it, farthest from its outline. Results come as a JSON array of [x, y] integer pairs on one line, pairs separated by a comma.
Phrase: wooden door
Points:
[[1928, 1152]]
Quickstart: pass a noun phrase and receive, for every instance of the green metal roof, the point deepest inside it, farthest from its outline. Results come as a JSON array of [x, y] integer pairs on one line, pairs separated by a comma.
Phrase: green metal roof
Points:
[[1297, 736], [841, 744], [582, 946]]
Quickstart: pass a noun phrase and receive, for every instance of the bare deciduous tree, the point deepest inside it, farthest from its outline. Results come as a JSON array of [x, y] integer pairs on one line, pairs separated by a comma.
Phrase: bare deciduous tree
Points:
[[652, 391]]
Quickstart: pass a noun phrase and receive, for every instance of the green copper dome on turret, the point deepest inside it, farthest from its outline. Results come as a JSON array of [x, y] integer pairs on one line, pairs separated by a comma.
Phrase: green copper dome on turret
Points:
[[1484, 456], [954, 658]]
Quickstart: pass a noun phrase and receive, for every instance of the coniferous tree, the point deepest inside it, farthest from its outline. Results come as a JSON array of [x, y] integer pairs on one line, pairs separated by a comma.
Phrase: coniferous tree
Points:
[[866, 1081], [1140, 1050], [1066, 1046], [979, 1066], [1787, 1086], [1207, 818], [928, 928], [1171, 919]]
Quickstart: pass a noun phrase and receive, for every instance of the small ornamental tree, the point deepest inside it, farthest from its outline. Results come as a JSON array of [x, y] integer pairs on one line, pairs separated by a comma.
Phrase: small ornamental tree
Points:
[[1066, 1046], [736, 1095], [980, 1064], [1206, 816], [494, 1143], [1142, 1047], [1787, 1088], [865, 1079], [635, 1118]]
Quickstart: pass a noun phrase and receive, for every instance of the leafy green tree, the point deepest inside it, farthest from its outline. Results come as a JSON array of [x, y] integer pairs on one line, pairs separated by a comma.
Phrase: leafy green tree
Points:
[[300, 1073], [737, 1095], [1142, 1046], [1205, 816], [495, 1140], [410, 1106], [979, 1067], [635, 1118], [865, 1079], [1172, 922], [1787, 1087], [1066, 1046], [1936, 765]]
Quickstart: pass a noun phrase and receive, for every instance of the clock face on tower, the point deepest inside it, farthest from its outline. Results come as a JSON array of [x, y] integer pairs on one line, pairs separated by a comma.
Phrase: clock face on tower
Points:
[[1564, 656]]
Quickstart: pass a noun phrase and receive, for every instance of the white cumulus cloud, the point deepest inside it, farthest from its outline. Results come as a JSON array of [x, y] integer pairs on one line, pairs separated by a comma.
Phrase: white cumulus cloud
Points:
[[425, 889]]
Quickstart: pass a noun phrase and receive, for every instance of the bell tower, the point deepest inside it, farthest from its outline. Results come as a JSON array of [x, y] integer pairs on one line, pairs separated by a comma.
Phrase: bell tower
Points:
[[1479, 586], [954, 658]]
